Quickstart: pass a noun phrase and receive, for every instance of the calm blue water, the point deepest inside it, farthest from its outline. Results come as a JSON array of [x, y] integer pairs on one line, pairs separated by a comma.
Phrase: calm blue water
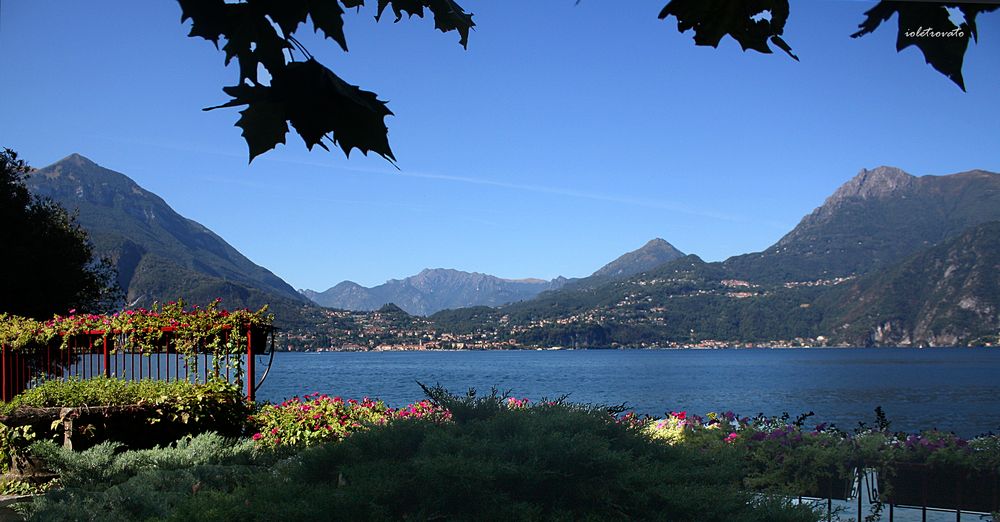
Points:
[[951, 389]]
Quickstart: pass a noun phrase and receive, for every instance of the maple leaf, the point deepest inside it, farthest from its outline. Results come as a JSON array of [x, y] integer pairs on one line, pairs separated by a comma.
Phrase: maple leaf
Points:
[[410, 7], [288, 14], [252, 40], [318, 102], [328, 16], [741, 20], [929, 27], [264, 121], [208, 18], [448, 15]]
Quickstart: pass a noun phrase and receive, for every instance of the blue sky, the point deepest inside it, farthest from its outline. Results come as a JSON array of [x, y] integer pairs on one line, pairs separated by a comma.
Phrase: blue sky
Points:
[[563, 137]]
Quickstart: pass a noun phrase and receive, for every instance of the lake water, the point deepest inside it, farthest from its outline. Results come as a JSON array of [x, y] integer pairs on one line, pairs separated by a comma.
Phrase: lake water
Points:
[[951, 389]]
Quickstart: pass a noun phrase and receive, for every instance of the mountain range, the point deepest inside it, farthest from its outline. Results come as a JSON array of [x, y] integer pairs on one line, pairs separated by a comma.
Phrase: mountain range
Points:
[[874, 220], [438, 289], [887, 259], [431, 290]]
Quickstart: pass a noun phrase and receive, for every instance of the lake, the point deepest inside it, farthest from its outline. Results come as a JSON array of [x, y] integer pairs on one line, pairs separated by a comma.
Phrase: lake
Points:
[[954, 389], [950, 389]]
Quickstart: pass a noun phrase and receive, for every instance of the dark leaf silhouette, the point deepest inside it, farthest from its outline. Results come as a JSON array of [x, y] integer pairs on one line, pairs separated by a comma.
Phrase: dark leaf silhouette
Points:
[[329, 17], [264, 121], [317, 102], [410, 7], [928, 26], [288, 14], [744, 21], [208, 18], [448, 15], [252, 40]]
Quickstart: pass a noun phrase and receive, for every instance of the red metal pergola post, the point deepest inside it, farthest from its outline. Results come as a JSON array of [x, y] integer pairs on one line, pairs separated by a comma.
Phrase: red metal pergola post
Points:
[[251, 392]]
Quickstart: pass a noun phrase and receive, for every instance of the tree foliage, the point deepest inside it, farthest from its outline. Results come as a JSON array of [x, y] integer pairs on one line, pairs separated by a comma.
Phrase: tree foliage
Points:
[[48, 264], [743, 21], [320, 105], [313, 99], [922, 23]]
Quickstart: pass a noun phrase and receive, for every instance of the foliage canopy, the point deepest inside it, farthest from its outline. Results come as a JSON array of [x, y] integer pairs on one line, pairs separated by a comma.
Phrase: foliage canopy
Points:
[[48, 264], [321, 106]]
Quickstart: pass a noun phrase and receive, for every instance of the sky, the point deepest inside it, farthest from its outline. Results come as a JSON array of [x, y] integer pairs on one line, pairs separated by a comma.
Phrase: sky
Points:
[[565, 135]]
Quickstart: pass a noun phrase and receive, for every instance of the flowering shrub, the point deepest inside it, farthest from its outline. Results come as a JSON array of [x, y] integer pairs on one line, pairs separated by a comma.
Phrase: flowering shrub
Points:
[[785, 456], [145, 328], [424, 409], [517, 404], [680, 427], [791, 458], [318, 418], [939, 449], [315, 418]]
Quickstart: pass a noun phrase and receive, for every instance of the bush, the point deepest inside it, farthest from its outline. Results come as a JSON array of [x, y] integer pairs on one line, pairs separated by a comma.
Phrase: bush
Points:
[[175, 409], [545, 462], [318, 418], [108, 463]]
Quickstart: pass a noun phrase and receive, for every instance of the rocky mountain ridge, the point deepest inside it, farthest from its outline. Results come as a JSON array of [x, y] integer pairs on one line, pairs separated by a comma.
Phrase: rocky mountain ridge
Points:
[[432, 290], [159, 254]]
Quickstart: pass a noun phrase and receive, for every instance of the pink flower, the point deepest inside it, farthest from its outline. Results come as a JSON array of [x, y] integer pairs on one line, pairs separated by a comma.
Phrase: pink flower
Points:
[[731, 438], [257, 436]]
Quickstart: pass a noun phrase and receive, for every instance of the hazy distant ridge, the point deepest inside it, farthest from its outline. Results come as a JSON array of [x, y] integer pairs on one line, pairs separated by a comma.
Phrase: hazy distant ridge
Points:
[[432, 290]]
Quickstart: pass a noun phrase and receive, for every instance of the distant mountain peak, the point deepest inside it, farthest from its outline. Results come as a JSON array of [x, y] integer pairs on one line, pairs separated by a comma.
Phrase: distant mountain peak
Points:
[[875, 219], [159, 254], [77, 158], [874, 184], [654, 253]]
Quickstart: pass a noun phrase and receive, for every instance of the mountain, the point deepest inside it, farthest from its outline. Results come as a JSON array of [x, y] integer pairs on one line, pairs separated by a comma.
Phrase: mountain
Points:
[[160, 255], [654, 253], [946, 295], [889, 258], [876, 219], [432, 290]]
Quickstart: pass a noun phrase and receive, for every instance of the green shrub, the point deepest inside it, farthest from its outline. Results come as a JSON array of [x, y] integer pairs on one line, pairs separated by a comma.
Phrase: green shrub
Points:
[[103, 391], [107, 463], [158, 412], [13, 444], [547, 462]]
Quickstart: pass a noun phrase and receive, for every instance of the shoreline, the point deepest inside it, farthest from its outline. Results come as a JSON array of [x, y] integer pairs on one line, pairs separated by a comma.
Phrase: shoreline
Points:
[[656, 348]]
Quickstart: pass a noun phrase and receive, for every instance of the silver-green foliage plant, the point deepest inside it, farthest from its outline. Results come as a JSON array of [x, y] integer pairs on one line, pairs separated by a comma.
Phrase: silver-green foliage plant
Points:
[[108, 463]]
